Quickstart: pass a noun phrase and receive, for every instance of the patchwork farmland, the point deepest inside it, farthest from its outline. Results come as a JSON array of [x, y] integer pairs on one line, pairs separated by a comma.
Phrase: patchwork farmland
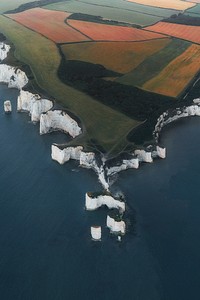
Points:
[[185, 32], [177, 74], [121, 57], [173, 4], [51, 24], [111, 75], [103, 32]]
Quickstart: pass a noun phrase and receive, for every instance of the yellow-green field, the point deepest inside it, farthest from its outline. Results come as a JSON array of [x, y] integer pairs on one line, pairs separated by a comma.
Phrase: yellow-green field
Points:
[[120, 57], [101, 123], [12, 4]]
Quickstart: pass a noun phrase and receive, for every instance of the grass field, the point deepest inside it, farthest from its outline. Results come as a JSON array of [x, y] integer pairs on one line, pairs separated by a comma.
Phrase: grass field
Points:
[[105, 125], [185, 32], [177, 75], [194, 10], [120, 15], [104, 32], [126, 5], [154, 64], [120, 57], [12, 4], [50, 24], [173, 4]]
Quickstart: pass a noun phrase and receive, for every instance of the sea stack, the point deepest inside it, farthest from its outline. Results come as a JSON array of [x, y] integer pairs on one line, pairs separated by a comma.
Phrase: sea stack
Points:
[[7, 106], [96, 233]]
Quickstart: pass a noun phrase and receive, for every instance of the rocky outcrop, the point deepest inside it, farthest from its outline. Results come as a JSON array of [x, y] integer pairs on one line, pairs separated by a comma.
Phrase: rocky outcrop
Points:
[[96, 233], [169, 117], [4, 49], [93, 203], [58, 120], [144, 156], [7, 106], [161, 152], [116, 226], [86, 160], [126, 164], [14, 77], [65, 154], [33, 104]]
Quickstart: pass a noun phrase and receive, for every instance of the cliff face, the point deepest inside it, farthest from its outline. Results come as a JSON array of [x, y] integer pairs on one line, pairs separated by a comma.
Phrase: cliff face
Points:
[[64, 155], [169, 117], [15, 78], [116, 226], [58, 120], [33, 104], [4, 49], [110, 202]]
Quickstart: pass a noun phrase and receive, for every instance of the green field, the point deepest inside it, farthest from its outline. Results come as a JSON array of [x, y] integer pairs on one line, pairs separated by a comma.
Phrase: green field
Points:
[[154, 64], [12, 4], [193, 11], [115, 14], [126, 5], [104, 125]]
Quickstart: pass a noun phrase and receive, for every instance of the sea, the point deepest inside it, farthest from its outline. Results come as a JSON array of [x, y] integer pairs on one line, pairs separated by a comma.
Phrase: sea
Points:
[[46, 251]]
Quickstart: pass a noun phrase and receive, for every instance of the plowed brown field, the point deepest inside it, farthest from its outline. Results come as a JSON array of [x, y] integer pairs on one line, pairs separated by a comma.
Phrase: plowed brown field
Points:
[[185, 32], [120, 57], [103, 32], [173, 4], [177, 75], [49, 23]]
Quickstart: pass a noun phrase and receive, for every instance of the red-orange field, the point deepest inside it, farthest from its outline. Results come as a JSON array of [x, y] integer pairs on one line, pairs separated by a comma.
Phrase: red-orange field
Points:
[[185, 32], [103, 32], [50, 24]]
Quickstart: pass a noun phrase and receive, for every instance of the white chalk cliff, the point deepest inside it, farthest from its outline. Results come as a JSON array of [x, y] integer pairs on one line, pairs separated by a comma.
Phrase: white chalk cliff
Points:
[[96, 233], [58, 120], [167, 118], [14, 77], [4, 49], [65, 154], [86, 160], [94, 203], [126, 164], [33, 104], [144, 156], [116, 226]]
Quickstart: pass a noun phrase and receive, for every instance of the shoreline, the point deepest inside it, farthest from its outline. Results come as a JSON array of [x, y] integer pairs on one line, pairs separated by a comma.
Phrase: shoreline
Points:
[[50, 119]]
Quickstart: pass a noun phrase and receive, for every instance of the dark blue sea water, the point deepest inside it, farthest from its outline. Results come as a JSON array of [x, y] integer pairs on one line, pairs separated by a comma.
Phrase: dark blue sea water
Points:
[[45, 248]]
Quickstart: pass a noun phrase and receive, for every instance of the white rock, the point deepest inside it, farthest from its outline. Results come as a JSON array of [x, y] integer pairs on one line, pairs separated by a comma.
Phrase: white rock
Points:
[[4, 49], [161, 152], [33, 104], [116, 226], [87, 160], [126, 164], [144, 156], [96, 233], [196, 101], [58, 120], [64, 155], [7, 106], [109, 201], [15, 78]]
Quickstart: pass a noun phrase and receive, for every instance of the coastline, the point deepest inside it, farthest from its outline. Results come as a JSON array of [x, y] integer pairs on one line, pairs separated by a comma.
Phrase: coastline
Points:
[[43, 111]]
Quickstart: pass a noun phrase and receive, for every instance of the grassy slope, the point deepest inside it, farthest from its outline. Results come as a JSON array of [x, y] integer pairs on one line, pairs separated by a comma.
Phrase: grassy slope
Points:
[[103, 124], [154, 64], [105, 12], [120, 57], [194, 10], [12, 4]]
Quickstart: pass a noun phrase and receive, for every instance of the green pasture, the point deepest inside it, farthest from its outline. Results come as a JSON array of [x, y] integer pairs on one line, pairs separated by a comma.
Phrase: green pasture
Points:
[[110, 13], [101, 123], [6, 5], [154, 64], [194, 10], [131, 6]]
